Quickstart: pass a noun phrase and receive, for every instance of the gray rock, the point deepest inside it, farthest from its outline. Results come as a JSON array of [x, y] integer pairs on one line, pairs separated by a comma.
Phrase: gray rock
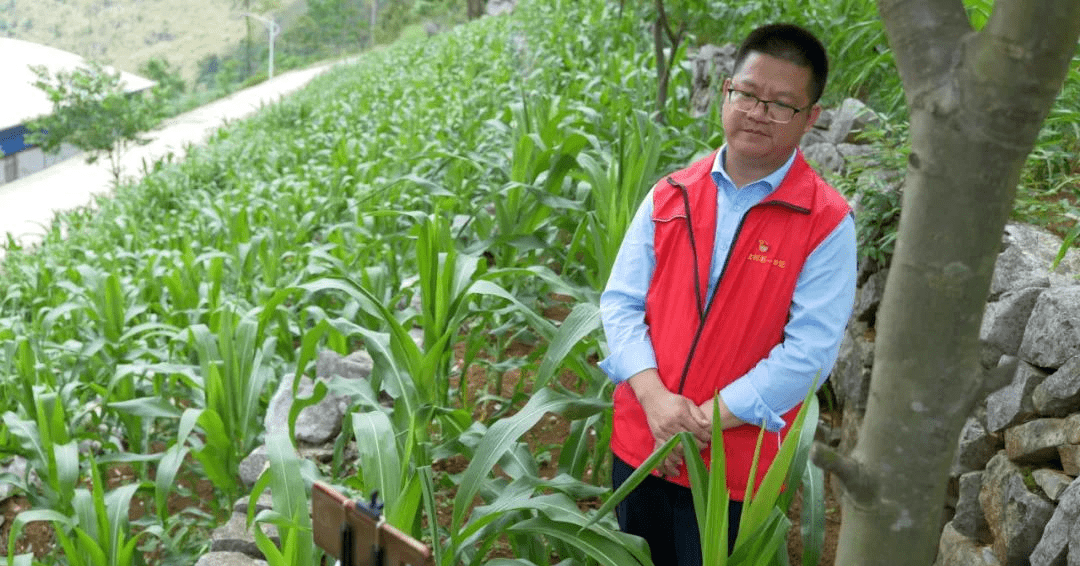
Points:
[[825, 158], [357, 365], [1004, 320], [1036, 441], [499, 7], [1012, 404], [710, 65], [1059, 394], [868, 297], [252, 466], [228, 559], [851, 376], [856, 153], [417, 335], [1015, 515], [975, 448], [850, 120], [1072, 429], [265, 502], [1029, 251], [1052, 482], [316, 424], [1055, 539], [969, 519], [1074, 545], [1070, 458], [234, 536], [18, 468], [1053, 333], [955, 549]]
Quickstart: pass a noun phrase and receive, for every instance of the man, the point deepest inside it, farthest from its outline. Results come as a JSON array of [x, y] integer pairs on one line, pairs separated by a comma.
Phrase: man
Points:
[[737, 277]]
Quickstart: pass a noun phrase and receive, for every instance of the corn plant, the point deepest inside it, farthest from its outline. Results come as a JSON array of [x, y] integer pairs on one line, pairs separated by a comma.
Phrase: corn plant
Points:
[[763, 524], [291, 511], [98, 532]]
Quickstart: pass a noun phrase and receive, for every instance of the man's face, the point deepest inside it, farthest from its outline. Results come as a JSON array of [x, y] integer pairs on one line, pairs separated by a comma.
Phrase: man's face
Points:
[[753, 138]]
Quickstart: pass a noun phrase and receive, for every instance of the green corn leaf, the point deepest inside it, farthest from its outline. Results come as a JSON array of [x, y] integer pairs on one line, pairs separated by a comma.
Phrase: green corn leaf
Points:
[[614, 550], [147, 408], [713, 539], [167, 469], [638, 475], [378, 455], [581, 322], [90, 548], [813, 515]]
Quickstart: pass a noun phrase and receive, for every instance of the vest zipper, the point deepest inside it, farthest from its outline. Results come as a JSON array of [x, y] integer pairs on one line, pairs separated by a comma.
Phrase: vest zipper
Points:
[[703, 314]]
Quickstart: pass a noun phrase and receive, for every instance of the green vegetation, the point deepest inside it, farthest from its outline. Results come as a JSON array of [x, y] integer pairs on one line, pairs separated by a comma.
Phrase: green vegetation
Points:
[[487, 171], [92, 112]]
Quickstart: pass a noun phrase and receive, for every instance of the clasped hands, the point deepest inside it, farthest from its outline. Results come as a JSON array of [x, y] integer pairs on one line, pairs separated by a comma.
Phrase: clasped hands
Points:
[[669, 414]]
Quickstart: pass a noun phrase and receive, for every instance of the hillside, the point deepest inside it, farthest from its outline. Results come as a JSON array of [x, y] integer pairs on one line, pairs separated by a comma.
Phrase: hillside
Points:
[[127, 33]]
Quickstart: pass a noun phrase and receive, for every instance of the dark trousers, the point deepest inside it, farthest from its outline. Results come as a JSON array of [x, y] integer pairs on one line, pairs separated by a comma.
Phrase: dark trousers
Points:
[[662, 513]]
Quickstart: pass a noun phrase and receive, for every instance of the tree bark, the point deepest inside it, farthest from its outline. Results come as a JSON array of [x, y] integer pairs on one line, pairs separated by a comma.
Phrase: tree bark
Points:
[[662, 29], [977, 101]]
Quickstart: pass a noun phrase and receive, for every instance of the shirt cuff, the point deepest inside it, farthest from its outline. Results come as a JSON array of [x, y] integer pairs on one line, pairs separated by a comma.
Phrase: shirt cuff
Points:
[[633, 358], [744, 402]]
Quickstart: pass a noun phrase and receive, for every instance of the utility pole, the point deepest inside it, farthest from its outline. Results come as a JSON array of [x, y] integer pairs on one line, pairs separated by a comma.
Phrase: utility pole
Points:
[[272, 29]]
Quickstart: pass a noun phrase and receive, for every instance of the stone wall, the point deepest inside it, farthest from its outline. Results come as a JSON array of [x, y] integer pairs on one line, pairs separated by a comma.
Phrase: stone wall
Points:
[[1014, 492]]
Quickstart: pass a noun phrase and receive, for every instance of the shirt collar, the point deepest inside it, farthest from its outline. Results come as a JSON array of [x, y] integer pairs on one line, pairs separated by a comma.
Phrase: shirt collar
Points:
[[772, 180]]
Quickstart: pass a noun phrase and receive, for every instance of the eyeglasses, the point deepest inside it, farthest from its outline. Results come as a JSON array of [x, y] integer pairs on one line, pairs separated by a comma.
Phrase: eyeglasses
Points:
[[776, 111]]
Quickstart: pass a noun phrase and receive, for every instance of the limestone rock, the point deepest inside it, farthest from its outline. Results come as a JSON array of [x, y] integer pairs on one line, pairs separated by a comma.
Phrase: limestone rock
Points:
[[1055, 539], [1052, 482], [710, 65], [1012, 404], [1004, 320], [357, 365], [955, 549], [851, 375], [1025, 262], [825, 158], [851, 120], [1053, 333], [1072, 429], [868, 297], [1074, 545], [252, 466], [1036, 441], [1059, 394], [969, 519], [234, 536], [976, 447], [316, 424], [1070, 458], [1015, 515], [228, 559]]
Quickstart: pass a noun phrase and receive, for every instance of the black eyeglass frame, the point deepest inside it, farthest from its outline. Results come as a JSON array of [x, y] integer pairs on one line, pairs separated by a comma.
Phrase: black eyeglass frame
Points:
[[745, 94]]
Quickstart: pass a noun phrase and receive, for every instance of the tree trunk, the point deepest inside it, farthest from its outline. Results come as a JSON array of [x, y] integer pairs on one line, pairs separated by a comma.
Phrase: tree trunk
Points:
[[374, 20], [662, 29], [977, 101], [475, 8]]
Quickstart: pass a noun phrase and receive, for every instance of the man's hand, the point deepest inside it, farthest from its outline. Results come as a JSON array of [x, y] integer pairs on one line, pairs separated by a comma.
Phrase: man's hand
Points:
[[669, 414]]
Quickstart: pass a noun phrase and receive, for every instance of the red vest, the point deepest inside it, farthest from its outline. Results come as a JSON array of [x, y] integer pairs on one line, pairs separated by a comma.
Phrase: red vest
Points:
[[701, 348]]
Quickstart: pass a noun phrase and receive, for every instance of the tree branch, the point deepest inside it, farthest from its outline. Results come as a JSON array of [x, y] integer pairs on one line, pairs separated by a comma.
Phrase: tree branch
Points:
[[857, 482], [1015, 67], [924, 36]]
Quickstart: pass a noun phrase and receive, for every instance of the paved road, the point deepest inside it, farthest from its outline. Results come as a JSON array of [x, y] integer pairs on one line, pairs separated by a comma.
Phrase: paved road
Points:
[[29, 204]]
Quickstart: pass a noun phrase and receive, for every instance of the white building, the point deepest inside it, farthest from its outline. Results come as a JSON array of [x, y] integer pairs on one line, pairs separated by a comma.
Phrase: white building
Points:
[[21, 102]]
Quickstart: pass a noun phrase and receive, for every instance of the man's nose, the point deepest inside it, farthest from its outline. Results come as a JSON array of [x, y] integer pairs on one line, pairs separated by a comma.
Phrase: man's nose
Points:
[[759, 112]]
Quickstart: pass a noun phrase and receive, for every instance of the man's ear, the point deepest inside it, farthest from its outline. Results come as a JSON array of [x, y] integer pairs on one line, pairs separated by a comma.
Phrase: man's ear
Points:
[[812, 116]]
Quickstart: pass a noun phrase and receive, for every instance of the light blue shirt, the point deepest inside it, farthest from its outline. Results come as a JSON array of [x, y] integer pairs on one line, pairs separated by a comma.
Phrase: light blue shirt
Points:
[[821, 305]]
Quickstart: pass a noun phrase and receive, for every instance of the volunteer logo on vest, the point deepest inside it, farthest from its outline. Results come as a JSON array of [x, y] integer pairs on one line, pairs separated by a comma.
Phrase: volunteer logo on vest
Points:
[[762, 246]]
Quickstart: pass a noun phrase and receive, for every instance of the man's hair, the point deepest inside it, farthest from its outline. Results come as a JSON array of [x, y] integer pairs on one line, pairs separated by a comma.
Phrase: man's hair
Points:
[[792, 44]]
